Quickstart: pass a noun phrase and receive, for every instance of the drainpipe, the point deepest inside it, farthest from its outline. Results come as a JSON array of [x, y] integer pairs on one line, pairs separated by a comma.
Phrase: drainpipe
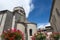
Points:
[[26, 33]]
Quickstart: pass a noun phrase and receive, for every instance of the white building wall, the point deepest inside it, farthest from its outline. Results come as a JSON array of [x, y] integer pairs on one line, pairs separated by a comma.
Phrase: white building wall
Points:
[[34, 30], [13, 22], [21, 27], [2, 24]]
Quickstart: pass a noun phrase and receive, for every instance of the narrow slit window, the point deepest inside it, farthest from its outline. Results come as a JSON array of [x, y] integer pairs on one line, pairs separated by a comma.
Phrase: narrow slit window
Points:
[[30, 32]]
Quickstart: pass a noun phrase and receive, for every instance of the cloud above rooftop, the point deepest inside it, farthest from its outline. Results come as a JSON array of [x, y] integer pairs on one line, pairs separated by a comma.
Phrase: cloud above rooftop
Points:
[[10, 4], [43, 25]]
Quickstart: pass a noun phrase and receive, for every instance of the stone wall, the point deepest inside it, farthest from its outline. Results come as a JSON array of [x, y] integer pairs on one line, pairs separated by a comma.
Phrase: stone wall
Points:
[[55, 17], [34, 30]]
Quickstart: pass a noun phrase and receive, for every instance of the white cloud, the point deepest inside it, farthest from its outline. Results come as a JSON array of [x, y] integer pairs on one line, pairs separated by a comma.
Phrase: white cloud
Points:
[[43, 25], [10, 4]]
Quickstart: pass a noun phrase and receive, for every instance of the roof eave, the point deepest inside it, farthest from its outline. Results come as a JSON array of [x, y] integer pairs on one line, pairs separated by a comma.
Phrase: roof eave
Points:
[[52, 9]]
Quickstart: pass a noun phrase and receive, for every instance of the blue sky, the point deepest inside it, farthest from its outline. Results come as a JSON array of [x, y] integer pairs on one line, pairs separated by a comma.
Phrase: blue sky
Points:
[[41, 12], [37, 11]]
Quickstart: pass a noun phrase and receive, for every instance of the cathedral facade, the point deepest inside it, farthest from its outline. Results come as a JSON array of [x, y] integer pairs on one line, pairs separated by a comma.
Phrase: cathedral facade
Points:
[[17, 19]]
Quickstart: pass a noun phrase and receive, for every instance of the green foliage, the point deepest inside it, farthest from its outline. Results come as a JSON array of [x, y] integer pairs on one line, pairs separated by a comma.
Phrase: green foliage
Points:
[[55, 35], [40, 36]]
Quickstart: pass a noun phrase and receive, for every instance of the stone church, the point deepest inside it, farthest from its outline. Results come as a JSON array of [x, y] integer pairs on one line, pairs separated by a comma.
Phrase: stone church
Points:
[[17, 19]]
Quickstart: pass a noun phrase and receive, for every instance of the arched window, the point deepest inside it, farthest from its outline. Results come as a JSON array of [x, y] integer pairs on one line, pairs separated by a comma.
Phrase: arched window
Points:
[[30, 32]]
